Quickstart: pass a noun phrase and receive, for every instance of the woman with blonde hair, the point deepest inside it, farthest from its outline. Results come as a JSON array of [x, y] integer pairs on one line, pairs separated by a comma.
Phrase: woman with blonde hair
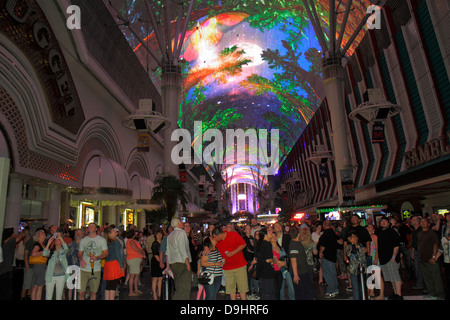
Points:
[[39, 264], [310, 248]]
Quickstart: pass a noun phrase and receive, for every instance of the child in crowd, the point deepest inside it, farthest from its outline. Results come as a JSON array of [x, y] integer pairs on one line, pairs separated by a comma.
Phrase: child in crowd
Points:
[[356, 259]]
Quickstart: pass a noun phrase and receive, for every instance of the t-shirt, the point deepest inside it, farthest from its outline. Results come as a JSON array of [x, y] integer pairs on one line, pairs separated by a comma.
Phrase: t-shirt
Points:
[[297, 251], [92, 246], [8, 248], [328, 240], [403, 231], [29, 247], [264, 269], [426, 242], [414, 237], [249, 251], [363, 235], [214, 257], [230, 243], [388, 239]]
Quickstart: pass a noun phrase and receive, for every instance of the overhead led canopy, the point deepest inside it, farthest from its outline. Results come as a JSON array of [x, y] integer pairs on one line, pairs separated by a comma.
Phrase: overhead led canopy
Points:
[[246, 64]]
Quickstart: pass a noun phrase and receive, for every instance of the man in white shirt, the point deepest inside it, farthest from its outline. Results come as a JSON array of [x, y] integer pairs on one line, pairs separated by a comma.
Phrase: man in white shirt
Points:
[[179, 260], [93, 248]]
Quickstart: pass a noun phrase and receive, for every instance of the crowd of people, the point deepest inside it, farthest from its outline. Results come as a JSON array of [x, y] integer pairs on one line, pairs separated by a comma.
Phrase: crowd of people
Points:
[[248, 262]]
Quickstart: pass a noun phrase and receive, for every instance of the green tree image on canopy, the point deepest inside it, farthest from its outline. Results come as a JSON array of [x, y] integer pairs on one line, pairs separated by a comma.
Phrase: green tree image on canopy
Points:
[[246, 63]]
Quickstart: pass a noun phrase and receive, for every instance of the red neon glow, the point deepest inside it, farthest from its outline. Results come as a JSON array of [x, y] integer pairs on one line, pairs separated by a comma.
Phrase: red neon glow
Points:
[[298, 216]]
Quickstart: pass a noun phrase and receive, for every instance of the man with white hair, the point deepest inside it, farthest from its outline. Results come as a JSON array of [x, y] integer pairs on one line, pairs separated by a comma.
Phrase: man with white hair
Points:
[[179, 259]]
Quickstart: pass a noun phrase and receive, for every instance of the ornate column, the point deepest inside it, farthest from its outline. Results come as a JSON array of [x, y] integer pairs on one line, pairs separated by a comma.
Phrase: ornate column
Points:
[[4, 173], [333, 71], [13, 204], [54, 205], [333, 74], [171, 87]]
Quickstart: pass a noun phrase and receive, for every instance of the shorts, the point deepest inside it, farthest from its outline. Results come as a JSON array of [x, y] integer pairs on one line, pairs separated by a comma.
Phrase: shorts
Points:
[[38, 278], [134, 265], [111, 285], [27, 279], [391, 271], [236, 277], [85, 278]]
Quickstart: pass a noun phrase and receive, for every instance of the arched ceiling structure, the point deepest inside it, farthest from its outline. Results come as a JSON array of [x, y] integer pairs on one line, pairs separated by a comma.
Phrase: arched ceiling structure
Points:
[[246, 63]]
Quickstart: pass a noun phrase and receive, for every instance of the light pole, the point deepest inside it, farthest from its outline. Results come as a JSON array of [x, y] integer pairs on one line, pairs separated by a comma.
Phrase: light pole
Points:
[[334, 77]]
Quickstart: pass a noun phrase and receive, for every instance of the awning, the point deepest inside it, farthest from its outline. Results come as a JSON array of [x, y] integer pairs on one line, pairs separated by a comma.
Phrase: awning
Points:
[[192, 208], [107, 181], [142, 188], [142, 194]]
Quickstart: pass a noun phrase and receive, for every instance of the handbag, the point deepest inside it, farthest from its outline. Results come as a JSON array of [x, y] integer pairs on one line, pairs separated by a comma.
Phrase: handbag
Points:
[[38, 260], [206, 278]]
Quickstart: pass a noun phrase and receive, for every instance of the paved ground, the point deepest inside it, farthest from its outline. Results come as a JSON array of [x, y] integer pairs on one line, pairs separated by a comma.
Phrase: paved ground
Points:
[[408, 292]]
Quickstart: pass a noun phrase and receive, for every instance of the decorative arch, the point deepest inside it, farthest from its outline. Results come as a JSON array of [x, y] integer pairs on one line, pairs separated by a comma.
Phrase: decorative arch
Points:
[[23, 86], [158, 170], [98, 134], [137, 162], [5, 147]]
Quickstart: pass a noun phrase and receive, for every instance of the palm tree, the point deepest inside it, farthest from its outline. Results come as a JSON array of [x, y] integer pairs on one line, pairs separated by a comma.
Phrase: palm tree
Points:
[[169, 190]]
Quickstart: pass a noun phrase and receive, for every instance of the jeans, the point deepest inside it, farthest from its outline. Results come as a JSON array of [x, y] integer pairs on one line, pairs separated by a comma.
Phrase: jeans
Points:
[[407, 259], [419, 282], [211, 290], [304, 290], [356, 285], [340, 261], [447, 280], [290, 286], [329, 274], [266, 288]]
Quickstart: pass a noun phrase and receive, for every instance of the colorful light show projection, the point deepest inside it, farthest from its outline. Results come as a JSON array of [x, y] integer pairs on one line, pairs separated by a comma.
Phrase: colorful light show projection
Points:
[[250, 64]]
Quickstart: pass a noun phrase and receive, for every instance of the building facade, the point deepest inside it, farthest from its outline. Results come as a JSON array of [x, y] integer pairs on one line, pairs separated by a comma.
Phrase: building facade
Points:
[[64, 154], [407, 167]]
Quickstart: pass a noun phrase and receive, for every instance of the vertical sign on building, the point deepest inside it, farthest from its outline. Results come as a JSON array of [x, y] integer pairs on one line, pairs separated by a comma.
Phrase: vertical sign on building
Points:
[[143, 144], [378, 135]]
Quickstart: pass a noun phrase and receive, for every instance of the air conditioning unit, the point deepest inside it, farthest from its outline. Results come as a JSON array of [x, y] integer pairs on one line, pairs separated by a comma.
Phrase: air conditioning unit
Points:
[[373, 95], [146, 105]]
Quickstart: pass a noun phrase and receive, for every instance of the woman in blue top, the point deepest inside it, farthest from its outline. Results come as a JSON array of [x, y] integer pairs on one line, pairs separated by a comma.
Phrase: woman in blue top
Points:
[[55, 274], [114, 263]]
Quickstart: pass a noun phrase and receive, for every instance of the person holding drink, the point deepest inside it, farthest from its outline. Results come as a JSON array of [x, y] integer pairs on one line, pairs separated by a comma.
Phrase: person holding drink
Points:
[[93, 248]]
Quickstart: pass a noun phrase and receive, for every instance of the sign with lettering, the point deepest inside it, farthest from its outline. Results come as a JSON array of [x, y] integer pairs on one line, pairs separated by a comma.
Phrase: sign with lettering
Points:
[[378, 133], [323, 170], [431, 150], [143, 144]]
